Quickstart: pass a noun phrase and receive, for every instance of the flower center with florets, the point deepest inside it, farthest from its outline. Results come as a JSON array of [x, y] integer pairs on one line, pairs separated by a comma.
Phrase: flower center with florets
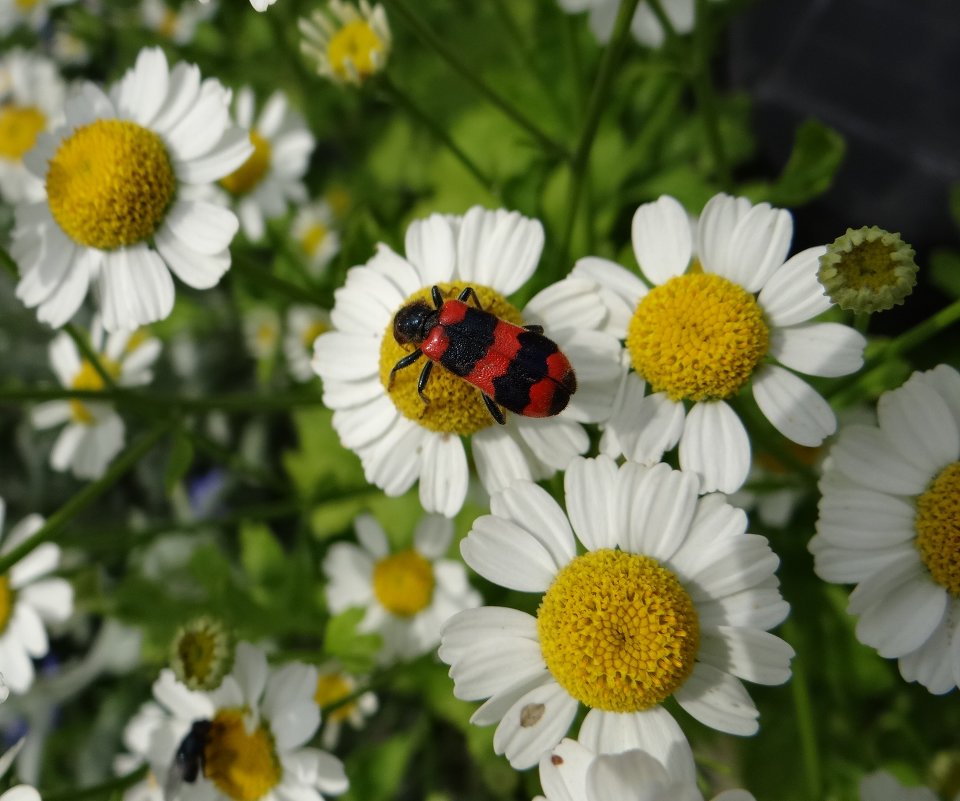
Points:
[[697, 337], [358, 46], [248, 175], [87, 378], [403, 583], [243, 765], [7, 598], [618, 631], [201, 654], [938, 528], [330, 689], [455, 407], [19, 127], [110, 184]]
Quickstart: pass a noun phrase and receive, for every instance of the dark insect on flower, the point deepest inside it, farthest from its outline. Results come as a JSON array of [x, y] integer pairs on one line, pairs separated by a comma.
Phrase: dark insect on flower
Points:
[[515, 367], [188, 761]]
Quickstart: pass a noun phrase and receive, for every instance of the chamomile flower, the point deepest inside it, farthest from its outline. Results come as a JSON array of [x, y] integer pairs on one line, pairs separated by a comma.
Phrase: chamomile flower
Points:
[[22, 792], [28, 598], [304, 325], [258, 5], [573, 772], [261, 331], [313, 230], [736, 317], [31, 101], [645, 26], [176, 24], [346, 43], [259, 719], [407, 594], [32, 13], [261, 187], [117, 211], [398, 437], [671, 598], [882, 786], [333, 685], [890, 523], [93, 432]]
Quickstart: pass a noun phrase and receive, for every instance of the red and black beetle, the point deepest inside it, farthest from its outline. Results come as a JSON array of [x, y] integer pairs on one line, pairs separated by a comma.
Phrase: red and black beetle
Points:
[[515, 367]]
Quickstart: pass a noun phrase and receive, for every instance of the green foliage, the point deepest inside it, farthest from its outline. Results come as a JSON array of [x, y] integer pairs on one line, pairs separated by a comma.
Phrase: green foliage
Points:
[[355, 651]]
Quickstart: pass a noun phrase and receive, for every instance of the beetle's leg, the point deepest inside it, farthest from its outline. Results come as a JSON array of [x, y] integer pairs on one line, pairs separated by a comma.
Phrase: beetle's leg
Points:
[[495, 411], [534, 329], [422, 383], [406, 361], [470, 292], [437, 296]]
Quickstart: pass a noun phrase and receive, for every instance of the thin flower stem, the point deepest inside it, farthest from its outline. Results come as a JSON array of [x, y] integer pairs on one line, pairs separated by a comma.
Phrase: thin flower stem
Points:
[[98, 791], [468, 73], [595, 107], [89, 354], [804, 716], [404, 101], [705, 95], [670, 33], [84, 498]]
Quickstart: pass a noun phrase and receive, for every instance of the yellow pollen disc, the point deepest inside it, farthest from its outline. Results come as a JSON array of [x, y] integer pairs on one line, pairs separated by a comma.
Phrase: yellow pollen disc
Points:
[[697, 337], [110, 184], [313, 238], [19, 127], [403, 583], [248, 175], [455, 406], [87, 378], [197, 651], [7, 598], [168, 25], [244, 766], [330, 689], [618, 631], [358, 45], [938, 528], [312, 331]]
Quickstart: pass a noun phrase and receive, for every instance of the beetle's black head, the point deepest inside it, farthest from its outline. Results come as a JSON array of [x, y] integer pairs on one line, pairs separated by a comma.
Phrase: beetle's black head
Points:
[[413, 322]]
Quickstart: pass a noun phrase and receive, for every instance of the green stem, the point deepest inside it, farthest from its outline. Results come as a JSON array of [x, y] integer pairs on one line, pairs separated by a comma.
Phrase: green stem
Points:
[[804, 716], [84, 498], [595, 107], [104, 790], [404, 101], [89, 354], [669, 32], [469, 74], [706, 98]]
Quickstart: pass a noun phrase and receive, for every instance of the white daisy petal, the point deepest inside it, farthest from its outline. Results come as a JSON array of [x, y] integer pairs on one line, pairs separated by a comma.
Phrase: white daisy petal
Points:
[[589, 486], [794, 294], [390, 465], [660, 511], [250, 670], [662, 240], [194, 269], [933, 664], [503, 552], [570, 303], [136, 288], [430, 247], [203, 227], [864, 451], [824, 349], [534, 725], [718, 700], [443, 475], [756, 656], [534, 509], [554, 440], [715, 446], [232, 150], [499, 459], [651, 424], [794, 408], [432, 537], [346, 357], [620, 290], [498, 248]]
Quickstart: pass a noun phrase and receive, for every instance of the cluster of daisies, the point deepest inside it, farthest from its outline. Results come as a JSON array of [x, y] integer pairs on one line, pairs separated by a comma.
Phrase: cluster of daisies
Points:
[[649, 589]]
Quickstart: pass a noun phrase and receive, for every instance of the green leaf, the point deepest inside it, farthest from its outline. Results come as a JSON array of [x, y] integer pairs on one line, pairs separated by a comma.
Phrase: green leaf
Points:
[[945, 271], [179, 461], [262, 556], [376, 771], [357, 652], [817, 154]]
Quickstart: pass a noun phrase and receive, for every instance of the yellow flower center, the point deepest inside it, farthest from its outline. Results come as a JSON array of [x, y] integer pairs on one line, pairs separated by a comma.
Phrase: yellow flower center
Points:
[[313, 238], [312, 331], [201, 653], [330, 689], [356, 44], [938, 528], [25, 5], [248, 175], [19, 127], [110, 184], [7, 598], [403, 583], [455, 406], [168, 25], [87, 378], [697, 337], [243, 765], [618, 631]]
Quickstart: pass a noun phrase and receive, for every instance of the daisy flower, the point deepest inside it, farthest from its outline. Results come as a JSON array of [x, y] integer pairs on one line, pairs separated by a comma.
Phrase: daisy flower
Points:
[[334, 684], [672, 598], [253, 748], [261, 331], [33, 13], [117, 211], [31, 101], [314, 232], [348, 44], [176, 24], [890, 523], [271, 177], [399, 438], [22, 792], [572, 772], [407, 594], [27, 599], [258, 5], [94, 432], [644, 26], [304, 325], [882, 786], [736, 316]]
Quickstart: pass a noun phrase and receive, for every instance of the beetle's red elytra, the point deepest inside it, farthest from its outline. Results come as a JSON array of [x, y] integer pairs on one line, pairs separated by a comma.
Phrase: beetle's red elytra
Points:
[[514, 367]]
